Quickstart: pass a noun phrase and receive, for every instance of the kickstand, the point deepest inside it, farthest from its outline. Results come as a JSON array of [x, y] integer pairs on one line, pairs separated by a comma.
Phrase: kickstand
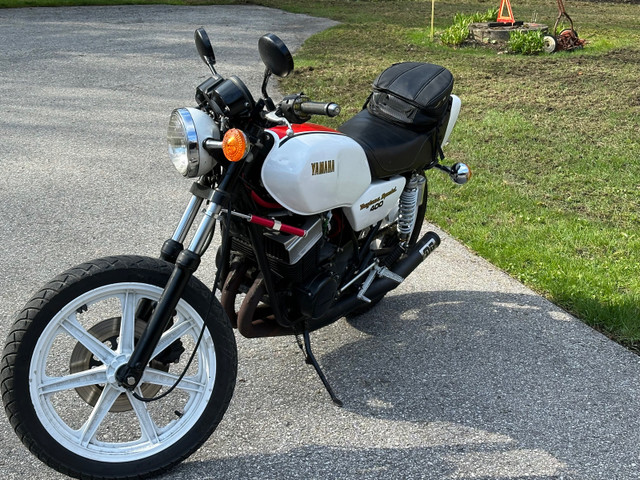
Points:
[[311, 360]]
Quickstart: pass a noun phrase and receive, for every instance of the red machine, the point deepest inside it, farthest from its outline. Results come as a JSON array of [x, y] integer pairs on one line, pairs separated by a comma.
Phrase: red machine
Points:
[[567, 39]]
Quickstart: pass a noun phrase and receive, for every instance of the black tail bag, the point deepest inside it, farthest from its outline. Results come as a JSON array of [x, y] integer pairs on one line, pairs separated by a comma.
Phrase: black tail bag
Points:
[[411, 94], [404, 119]]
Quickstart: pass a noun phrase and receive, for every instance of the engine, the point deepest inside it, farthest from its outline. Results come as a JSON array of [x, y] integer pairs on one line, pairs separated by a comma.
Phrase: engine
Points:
[[307, 272], [325, 188]]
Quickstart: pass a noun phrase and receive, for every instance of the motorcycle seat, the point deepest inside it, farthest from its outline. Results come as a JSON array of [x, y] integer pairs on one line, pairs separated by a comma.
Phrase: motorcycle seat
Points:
[[391, 149]]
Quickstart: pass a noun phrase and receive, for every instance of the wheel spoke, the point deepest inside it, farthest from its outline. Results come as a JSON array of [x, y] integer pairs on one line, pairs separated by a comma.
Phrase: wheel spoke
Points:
[[127, 323], [85, 378], [91, 343], [100, 411], [166, 379], [170, 336], [147, 425]]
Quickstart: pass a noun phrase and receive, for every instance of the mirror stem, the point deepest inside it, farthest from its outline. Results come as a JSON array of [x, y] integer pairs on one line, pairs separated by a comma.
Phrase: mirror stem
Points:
[[213, 70], [265, 95]]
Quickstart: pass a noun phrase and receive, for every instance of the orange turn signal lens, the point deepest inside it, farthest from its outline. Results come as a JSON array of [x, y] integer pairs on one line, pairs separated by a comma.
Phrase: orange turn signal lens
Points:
[[235, 145]]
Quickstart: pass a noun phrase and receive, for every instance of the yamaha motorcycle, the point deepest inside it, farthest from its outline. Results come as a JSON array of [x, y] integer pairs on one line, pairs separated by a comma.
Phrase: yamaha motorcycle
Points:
[[123, 366]]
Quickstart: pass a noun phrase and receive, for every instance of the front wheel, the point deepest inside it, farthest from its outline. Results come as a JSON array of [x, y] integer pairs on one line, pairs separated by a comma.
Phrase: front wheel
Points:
[[58, 372]]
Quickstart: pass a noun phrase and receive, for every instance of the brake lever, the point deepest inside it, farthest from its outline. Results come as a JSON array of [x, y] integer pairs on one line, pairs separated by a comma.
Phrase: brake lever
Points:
[[277, 119]]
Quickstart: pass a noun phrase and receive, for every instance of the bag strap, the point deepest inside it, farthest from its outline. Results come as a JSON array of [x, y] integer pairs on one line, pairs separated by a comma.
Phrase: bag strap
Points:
[[366, 103], [437, 144]]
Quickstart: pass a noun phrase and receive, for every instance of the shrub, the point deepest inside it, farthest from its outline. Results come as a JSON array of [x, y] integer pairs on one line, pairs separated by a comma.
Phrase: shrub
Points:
[[526, 43], [457, 33]]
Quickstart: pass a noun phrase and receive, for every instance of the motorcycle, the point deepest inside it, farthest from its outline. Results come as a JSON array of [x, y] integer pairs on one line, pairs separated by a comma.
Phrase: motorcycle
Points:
[[123, 366]]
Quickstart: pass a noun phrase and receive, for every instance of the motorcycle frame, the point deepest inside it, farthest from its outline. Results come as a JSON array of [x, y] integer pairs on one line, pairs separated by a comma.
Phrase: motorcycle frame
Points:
[[186, 262]]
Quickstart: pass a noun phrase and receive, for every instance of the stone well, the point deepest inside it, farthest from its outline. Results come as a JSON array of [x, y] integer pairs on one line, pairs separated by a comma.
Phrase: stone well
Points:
[[489, 33]]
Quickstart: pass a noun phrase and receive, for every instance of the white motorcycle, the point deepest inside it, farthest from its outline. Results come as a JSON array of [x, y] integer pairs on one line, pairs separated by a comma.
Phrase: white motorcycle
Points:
[[123, 366]]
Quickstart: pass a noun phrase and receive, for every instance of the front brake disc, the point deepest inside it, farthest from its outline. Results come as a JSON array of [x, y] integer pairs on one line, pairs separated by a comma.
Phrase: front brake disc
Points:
[[107, 331]]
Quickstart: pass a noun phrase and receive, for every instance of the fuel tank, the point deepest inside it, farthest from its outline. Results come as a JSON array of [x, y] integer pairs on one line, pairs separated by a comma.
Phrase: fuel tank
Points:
[[315, 170]]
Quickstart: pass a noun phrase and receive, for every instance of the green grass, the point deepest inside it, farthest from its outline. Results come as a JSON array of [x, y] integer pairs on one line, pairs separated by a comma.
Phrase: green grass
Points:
[[552, 140]]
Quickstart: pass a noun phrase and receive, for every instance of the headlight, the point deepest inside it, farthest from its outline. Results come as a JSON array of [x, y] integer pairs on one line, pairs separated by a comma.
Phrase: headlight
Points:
[[188, 128]]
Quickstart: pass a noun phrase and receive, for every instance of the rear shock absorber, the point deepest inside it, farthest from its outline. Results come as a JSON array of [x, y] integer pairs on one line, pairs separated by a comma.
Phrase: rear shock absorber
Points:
[[410, 200], [408, 208]]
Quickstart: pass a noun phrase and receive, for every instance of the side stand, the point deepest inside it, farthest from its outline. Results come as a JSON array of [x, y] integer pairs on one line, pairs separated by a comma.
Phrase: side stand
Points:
[[311, 360]]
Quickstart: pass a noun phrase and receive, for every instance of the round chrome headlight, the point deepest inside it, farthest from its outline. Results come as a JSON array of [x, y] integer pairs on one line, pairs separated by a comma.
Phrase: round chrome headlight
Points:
[[188, 128]]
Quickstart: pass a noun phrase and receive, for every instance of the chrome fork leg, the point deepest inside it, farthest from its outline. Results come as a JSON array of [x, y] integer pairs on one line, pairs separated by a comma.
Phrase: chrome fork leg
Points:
[[187, 262], [187, 219], [173, 246]]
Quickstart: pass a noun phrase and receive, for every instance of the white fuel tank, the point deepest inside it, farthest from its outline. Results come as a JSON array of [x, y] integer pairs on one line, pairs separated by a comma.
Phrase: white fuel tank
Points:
[[375, 203], [315, 170]]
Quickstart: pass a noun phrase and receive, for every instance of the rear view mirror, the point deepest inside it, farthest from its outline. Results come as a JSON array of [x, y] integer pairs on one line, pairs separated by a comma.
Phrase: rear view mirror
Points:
[[203, 44], [275, 55]]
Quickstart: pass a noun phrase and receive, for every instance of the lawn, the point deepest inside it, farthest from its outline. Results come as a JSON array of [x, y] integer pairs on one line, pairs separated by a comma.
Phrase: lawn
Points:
[[552, 139]]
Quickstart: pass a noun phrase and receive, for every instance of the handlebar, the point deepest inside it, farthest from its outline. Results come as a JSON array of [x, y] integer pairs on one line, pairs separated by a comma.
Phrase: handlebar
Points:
[[319, 108], [297, 108]]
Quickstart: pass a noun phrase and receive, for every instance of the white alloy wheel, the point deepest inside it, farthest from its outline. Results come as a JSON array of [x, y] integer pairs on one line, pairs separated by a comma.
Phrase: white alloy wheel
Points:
[[98, 432], [57, 371]]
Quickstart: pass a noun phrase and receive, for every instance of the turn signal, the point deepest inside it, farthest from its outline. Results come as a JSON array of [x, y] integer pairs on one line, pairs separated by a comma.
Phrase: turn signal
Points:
[[235, 145], [460, 173]]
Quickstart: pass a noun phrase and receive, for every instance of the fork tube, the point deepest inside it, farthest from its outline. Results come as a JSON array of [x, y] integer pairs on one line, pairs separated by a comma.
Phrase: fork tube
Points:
[[173, 246], [187, 262], [170, 251], [200, 240], [187, 219]]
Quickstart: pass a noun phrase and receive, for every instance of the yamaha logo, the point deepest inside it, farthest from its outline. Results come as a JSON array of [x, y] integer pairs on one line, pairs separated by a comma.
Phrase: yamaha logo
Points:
[[320, 168]]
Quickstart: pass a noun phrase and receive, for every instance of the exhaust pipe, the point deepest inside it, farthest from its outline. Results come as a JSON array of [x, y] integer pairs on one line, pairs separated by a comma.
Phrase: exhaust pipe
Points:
[[421, 250]]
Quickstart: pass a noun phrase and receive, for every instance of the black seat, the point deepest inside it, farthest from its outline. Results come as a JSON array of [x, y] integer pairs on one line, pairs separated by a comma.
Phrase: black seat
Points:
[[391, 149]]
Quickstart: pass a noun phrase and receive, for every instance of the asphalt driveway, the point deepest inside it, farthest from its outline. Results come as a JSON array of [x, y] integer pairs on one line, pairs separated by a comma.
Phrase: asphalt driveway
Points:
[[461, 373]]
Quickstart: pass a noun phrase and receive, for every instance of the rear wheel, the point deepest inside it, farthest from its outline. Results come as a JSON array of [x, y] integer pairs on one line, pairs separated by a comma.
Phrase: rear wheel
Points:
[[58, 372]]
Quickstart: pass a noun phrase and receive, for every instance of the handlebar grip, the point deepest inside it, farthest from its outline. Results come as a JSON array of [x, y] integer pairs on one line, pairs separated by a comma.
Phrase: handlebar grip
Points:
[[319, 108]]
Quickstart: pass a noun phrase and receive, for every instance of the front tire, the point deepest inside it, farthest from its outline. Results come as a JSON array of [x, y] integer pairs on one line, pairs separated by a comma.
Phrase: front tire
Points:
[[57, 372]]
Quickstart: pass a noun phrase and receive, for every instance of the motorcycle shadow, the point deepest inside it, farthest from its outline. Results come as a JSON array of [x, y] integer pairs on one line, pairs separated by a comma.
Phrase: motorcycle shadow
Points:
[[465, 385], [486, 359], [319, 462], [443, 384], [510, 364]]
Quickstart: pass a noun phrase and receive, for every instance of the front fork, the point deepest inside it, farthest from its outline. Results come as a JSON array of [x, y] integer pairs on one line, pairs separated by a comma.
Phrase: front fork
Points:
[[186, 262]]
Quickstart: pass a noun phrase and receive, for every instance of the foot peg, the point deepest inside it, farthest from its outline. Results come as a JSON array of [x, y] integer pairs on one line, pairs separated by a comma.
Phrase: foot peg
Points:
[[377, 271]]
